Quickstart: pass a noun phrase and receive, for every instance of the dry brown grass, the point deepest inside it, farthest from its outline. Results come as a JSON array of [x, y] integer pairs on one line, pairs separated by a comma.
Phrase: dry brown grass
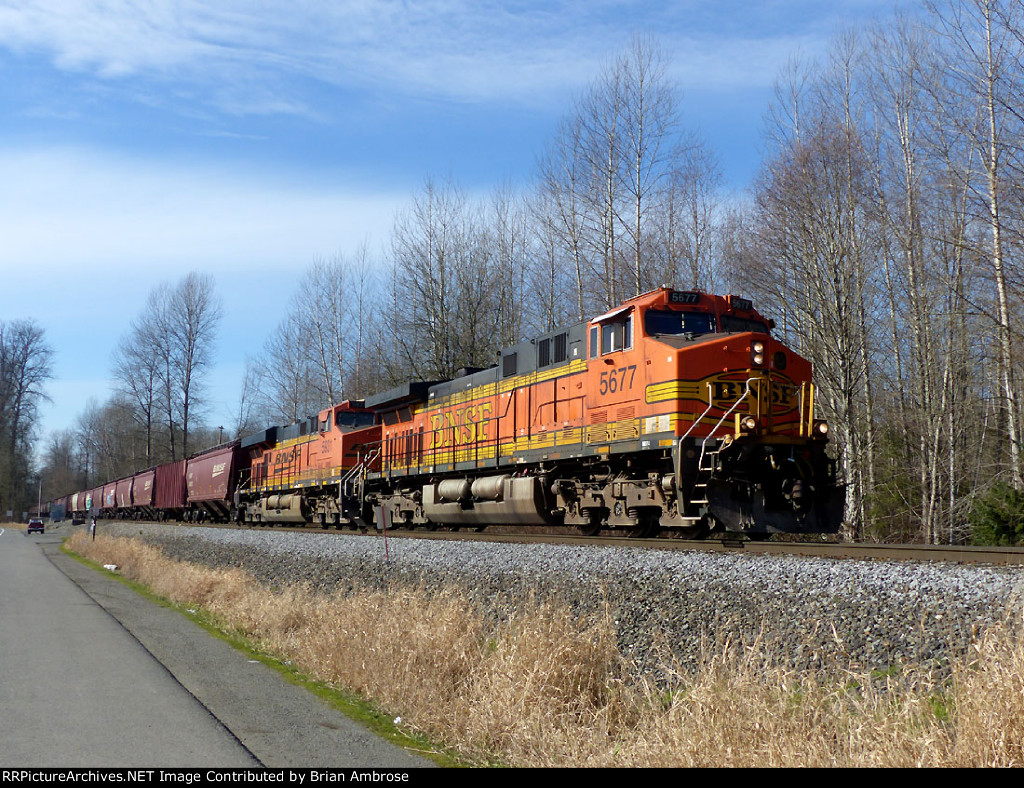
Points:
[[546, 688], [989, 703]]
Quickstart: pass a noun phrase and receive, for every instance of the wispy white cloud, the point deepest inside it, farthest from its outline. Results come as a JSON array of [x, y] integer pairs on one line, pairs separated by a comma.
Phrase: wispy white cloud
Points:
[[469, 50]]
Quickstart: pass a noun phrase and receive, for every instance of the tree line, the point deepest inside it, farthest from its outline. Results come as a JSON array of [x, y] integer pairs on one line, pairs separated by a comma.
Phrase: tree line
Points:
[[883, 233]]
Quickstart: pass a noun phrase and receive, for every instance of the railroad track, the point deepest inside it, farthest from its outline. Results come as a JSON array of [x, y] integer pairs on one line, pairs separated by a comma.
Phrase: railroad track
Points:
[[961, 554], [958, 554]]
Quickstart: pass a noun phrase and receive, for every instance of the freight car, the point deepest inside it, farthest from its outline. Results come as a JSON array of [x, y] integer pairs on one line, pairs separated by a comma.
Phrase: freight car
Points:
[[142, 495], [211, 478], [58, 510]]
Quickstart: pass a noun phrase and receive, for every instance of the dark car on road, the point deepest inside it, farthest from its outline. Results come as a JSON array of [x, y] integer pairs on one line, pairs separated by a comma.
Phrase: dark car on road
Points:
[[35, 524]]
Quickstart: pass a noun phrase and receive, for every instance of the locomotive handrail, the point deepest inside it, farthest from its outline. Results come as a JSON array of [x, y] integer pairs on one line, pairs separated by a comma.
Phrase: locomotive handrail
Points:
[[710, 435], [356, 470], [679, 445], [360, 466], [736, 404], [696, 421]]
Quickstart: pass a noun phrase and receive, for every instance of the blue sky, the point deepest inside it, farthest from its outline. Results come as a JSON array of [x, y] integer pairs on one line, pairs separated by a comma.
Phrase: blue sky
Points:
[[142, 139]]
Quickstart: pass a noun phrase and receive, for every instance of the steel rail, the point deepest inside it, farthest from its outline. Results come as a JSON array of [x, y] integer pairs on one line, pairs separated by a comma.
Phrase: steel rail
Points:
[[863, 551]]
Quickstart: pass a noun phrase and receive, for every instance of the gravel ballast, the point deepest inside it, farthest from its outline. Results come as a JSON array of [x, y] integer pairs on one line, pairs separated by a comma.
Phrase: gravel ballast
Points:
[[806, 613]]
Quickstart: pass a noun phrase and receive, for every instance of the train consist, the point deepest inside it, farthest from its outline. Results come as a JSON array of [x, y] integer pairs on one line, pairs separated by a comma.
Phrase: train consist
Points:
[[676, 410]]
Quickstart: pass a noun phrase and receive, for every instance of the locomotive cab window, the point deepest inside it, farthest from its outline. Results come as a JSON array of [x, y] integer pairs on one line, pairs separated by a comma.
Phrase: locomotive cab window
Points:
[[617, 335], [664, 321], [350, 420]]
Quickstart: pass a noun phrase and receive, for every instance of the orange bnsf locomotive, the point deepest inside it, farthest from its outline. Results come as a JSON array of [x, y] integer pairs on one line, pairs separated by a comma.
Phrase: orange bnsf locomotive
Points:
[[675, 410], [310, 470]]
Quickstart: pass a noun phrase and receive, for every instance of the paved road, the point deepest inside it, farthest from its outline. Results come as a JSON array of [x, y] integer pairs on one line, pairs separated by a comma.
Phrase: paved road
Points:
[[91, 674]]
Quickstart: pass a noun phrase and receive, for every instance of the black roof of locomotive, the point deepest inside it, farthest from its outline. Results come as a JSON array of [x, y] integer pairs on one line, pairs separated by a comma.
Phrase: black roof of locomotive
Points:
[[269, 435], [405, 394], [454, 386], [279, 434]]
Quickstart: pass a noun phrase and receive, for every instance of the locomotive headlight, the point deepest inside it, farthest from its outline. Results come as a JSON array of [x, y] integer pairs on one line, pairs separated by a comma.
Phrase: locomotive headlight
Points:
[[757, 353], [821, 428], [749, 423]]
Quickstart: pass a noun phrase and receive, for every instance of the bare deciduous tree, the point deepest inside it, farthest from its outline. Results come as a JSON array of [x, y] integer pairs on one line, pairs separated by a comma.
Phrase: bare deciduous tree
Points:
[[193, 314], [983, 56], [288, 373], [564, 211], [445, 312], [137, 372], [25, 366]]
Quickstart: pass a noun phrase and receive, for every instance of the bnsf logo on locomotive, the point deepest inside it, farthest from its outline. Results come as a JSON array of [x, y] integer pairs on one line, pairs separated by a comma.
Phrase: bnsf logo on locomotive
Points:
[[726, 389], [285, 459], [784, 395], [461, 425]]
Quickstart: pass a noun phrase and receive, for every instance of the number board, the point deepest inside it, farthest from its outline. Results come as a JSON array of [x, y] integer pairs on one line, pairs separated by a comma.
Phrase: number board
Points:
[[682, 297]]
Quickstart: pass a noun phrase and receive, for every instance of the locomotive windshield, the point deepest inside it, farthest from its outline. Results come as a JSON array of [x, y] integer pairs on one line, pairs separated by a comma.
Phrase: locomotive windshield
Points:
[[353, 419], [733, 323], [663, 321]]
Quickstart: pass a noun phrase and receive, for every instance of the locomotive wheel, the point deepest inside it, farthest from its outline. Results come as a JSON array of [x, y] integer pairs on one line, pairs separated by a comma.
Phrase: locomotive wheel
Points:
[[595, 522]]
